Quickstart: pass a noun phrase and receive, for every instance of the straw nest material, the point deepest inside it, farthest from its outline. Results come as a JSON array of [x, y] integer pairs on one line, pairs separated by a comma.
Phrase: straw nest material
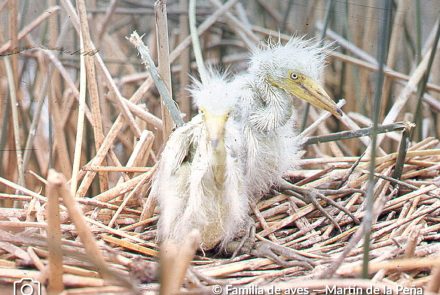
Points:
[[404, 236], [88, 227]]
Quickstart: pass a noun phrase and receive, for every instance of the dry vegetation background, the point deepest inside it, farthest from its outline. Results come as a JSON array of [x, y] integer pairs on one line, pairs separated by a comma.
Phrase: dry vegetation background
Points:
[[107, 169]]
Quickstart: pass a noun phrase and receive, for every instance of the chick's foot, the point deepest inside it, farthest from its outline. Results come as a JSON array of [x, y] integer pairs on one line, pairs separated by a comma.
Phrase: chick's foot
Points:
[[311, 195], [279, 254]]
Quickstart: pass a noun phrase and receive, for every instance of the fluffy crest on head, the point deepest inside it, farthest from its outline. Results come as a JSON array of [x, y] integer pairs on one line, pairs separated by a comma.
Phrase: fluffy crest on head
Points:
[[216, 96], [298, 54]]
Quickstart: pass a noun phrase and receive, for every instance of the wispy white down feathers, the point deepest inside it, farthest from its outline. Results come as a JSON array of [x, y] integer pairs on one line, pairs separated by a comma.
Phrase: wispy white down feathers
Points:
[[215, 96], [189, 196], [267, 115], [299, 54]]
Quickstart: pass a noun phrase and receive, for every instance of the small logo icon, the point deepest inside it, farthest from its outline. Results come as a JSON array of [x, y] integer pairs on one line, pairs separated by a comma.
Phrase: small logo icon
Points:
[[27, 286]]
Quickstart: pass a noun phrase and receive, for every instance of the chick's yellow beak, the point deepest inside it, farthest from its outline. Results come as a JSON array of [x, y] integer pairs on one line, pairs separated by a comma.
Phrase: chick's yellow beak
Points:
[[309, 90], [215, 125]]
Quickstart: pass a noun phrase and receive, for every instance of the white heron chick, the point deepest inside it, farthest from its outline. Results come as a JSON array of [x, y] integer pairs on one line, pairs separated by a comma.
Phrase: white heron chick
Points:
[[276, 75], [199, 182]]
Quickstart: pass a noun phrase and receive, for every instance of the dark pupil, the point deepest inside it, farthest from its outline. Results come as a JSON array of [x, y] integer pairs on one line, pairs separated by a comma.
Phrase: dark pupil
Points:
[[294, 76]]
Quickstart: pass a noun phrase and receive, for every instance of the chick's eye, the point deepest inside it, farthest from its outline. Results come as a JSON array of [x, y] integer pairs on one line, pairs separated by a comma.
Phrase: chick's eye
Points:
[[293, 76]]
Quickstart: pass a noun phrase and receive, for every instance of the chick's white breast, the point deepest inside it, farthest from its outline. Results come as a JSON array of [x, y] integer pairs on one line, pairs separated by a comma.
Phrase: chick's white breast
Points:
[[266, 154], [188, 194]]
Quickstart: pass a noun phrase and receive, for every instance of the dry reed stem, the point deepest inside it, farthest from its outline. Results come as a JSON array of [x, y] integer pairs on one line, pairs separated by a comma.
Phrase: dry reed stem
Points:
[[262, 222], [106, 74], [80, 122], [38, 263], [135, 190], [35, 122], [87, 48], [288, 220], [398, 264], [397, 30], [89, 202], [106, 229], [136, 40], [141, 152], [15, 117], [130, 246], [14, 250], [120, 189], [186, 254], [357, 133], [116, 169], [89, 242], [222, 270], [68, 280], [96, 290], [70, 83], [144, 115], [334, 148], [55, 262], [169, 280], [185, 63], [141, 223], [60, 141], [100, 155], [13, 77], [160, 9], [197, 49], [412, 242], [434, 282]]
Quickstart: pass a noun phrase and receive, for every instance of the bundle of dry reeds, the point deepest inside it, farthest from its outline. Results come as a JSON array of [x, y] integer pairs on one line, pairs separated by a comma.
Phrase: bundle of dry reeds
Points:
[[83, 123]]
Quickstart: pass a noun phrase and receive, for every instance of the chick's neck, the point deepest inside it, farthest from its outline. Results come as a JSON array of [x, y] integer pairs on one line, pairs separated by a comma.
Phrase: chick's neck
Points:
[[219, 164]]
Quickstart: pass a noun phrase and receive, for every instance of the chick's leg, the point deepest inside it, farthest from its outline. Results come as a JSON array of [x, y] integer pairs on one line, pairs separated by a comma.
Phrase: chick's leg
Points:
[[266, 249], [311, 195], [281, 255], [245, 244]]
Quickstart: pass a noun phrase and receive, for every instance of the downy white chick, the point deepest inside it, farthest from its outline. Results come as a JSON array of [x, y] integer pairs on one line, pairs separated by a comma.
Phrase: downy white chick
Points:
[[199, 183], [276, 75], [271, 144]]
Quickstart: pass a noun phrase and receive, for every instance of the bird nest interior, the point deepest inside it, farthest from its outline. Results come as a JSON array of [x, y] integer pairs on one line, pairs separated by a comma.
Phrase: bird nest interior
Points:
[[86, 112]]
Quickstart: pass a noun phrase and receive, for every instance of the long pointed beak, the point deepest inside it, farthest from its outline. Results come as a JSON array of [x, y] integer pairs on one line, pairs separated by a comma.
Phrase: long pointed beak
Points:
[[310, 91], [215, 126], [318, 97]]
